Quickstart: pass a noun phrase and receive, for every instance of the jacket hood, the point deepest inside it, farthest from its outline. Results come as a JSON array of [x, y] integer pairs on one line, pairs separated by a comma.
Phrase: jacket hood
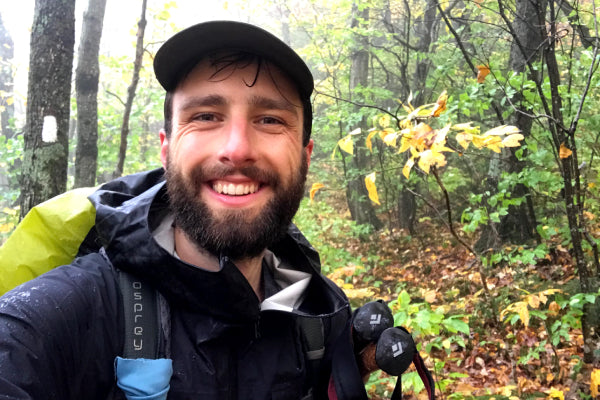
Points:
[[129, 209]]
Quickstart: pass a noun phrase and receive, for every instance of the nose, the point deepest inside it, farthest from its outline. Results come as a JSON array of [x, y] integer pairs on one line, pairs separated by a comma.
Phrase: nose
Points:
[[238, 147]]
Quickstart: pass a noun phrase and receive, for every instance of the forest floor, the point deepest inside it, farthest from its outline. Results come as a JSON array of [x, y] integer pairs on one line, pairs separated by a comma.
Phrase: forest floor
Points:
[[532, 350]]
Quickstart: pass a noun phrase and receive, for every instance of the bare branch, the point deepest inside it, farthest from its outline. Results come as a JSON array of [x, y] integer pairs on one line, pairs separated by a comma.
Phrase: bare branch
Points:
[[116, 96]]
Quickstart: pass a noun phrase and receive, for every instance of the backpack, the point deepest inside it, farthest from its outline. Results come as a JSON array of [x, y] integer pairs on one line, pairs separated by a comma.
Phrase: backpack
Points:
[[146, 312]]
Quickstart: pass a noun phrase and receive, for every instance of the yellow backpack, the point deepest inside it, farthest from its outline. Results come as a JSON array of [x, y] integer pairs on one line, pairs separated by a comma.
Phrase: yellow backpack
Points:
[[48, 236]]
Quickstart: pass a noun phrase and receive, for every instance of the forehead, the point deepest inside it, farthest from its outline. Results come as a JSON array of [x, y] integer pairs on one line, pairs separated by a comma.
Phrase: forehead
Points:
[[240, 74]]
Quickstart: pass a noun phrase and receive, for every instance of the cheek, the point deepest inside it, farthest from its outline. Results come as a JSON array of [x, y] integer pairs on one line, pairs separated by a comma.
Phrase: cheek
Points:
[[191, 147]]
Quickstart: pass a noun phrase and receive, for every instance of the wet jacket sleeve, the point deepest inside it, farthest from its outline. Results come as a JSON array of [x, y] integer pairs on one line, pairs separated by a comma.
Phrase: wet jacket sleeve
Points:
[[58, 334]]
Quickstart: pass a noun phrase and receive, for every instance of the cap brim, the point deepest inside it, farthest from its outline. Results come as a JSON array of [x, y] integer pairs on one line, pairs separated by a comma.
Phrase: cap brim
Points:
[[192, 44]]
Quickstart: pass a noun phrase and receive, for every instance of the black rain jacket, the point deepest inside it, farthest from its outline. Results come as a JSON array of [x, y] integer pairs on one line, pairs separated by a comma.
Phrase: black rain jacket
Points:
[[60, 333]]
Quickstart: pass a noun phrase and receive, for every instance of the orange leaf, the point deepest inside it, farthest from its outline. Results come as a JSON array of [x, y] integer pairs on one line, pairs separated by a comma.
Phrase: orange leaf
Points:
[[313, 190], [368, 140], [483, 71], [430, 296], [440, 105], [564, 152]]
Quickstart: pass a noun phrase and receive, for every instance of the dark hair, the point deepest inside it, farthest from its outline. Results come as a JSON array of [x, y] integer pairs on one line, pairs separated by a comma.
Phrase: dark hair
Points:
[[237, 59]]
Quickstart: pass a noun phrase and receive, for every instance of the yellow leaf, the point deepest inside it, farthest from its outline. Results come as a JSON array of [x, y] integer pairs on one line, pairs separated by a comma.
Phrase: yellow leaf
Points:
[[533, 301], [390, 139], [404, 143], [556, 394], [10, 101], [493, 143], [358, 294], [5, 228], [512, 140], [464, 139], [384, 121], [478, 141], [368, 140], [346, 144], [371, 188], [430, 158], [482, 72], [407, 167], [357, 131], [502, 130], [523, 313], [564, 151], [440, 135], [507, 390], [313, 190], [383, 133], [595, 382], [466, 128]]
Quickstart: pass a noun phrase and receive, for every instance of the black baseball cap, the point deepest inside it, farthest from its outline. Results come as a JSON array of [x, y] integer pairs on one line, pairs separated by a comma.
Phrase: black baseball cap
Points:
[[190, 45]]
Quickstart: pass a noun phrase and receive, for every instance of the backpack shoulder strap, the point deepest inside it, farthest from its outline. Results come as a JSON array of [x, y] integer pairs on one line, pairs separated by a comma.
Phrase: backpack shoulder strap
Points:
[[144, 317], [313, 342], [316, 336]]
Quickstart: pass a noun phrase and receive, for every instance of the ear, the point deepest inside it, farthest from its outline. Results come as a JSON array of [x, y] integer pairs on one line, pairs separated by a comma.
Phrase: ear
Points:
[[164, 148], [309, 149]]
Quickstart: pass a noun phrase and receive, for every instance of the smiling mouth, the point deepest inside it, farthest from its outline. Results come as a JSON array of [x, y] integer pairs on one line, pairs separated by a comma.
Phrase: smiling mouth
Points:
[[232, 189]]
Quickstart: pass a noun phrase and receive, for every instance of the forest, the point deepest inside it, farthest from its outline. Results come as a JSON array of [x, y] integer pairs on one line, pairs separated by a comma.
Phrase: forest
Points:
[[454, 175]]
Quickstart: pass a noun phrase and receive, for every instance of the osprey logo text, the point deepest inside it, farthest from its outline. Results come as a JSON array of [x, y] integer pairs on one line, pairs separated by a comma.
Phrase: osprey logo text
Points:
[[375, 319], [397, 349], [138, 309]]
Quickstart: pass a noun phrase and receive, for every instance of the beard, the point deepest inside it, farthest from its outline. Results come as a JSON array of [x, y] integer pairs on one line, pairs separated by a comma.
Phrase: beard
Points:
[[233, 233]]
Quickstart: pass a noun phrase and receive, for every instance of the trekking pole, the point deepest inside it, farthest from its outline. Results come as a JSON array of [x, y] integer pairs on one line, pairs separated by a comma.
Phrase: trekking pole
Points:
[[380, 345]]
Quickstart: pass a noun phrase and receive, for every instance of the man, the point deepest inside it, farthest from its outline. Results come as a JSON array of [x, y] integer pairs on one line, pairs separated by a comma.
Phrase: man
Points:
[[216, 241]]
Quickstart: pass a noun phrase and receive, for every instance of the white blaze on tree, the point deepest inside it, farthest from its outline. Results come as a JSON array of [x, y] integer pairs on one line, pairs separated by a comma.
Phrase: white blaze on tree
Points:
[[49, 130]]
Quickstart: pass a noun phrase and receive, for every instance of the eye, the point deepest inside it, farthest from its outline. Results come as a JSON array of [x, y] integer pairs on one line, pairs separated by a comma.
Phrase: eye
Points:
[[205, 117], [270, 120]]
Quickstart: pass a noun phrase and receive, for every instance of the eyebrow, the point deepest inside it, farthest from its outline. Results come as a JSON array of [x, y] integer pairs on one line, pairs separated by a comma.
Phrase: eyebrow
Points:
[[273, 104], [203, 101]]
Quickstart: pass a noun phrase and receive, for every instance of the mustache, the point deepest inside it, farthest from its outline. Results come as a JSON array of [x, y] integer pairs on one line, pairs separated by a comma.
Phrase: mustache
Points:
[[201, 174]]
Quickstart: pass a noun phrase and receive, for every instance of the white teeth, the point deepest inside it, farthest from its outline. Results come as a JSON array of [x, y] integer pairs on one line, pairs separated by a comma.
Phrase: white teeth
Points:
[[234, 190]]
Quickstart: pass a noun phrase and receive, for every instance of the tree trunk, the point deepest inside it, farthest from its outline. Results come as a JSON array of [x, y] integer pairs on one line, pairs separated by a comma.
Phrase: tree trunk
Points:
[[45, 154], [360, 206], [137, 66], [425, 33], [425, 30], [7, 108], [86, 87], [519, 225]]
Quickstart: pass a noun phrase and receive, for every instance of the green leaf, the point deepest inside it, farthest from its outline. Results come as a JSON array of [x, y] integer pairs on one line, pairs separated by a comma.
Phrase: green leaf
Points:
[[455, 324]]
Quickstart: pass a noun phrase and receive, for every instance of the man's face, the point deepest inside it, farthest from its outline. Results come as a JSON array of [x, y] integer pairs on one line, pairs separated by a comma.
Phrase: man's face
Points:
[[235, 162]]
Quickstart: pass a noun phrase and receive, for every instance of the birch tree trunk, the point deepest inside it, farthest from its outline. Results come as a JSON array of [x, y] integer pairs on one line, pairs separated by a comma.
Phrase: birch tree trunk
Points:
[[45, 154]]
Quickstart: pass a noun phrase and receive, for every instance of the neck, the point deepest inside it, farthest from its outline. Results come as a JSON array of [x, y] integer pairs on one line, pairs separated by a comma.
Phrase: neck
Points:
[[249, 267]]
